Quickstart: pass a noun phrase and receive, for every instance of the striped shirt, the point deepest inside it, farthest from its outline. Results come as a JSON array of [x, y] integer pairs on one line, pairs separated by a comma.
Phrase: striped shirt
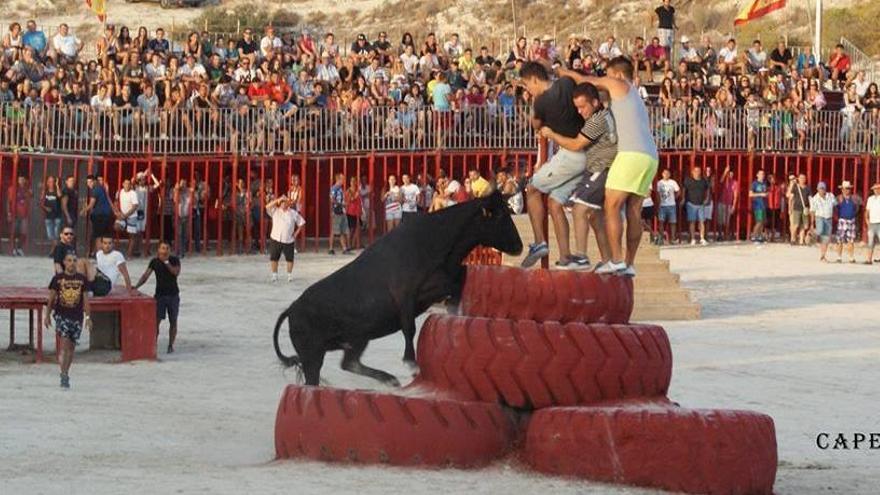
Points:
[[600, 130]]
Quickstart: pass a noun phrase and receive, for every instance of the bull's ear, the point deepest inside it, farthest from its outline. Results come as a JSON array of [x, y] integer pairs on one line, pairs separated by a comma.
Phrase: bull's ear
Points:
[[486, 212]]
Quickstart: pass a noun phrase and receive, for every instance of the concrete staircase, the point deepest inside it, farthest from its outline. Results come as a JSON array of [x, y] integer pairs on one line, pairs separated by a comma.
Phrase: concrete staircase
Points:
[[658, 292]]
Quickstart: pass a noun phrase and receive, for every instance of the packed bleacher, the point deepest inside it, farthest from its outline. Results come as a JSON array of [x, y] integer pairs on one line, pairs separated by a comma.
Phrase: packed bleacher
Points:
[[268, 93]]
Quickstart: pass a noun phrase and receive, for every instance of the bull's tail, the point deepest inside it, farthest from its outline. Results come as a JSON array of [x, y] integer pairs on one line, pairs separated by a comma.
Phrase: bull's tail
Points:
[[287, 361]]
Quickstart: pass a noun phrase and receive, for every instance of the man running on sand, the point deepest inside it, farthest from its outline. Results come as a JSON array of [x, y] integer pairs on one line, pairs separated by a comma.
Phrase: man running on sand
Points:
[[558, 177], [69, 301], [634, 167], [599, 139]]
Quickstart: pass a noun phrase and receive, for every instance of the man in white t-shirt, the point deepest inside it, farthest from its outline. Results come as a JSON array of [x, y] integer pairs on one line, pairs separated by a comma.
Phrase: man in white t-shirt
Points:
[[668, 192], [410, 193], [410, 61], [111, 263], [872, 221], [270, 43], [728, 58], [126, 216], [65, 44], [287, 225]]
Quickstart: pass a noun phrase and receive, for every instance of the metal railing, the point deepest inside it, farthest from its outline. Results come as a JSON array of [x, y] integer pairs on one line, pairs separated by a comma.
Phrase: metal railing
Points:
[[247, 130], [859, 59]]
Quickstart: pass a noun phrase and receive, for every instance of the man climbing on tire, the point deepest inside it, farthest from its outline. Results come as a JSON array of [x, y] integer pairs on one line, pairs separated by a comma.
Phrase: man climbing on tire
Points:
[[560, 175]]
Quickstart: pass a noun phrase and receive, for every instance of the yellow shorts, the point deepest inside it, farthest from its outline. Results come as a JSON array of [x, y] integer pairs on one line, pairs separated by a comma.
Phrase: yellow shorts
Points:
[[632, 172]]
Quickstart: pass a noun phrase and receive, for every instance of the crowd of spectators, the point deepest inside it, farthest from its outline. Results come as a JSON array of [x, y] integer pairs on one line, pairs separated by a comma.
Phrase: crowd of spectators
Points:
[[271, 92]]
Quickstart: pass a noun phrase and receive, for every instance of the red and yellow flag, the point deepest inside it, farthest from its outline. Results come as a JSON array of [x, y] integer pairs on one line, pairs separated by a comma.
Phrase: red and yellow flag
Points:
[[757, 8], [99, 7]]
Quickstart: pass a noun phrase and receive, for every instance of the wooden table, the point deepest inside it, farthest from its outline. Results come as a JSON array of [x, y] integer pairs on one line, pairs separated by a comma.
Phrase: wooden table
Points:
[[137, 318]]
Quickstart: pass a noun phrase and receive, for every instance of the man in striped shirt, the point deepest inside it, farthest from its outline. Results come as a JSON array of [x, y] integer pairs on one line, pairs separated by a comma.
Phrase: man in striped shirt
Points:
[[598, 139]]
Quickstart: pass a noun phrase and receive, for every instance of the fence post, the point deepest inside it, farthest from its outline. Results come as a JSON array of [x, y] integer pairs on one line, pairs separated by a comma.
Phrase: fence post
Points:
[[13, 184], [371, 165], [233, 183]]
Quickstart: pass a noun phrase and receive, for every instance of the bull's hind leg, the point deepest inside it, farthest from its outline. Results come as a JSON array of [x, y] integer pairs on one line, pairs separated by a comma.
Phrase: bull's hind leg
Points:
[[351, 361], [311, 366]]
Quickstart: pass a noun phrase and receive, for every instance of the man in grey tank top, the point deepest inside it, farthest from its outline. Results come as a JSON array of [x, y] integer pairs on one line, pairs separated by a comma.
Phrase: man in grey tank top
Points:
[[634, 167]]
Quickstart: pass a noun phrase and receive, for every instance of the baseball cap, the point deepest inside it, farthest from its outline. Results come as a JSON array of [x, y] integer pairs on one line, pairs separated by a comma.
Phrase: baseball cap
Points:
[[822, 185]]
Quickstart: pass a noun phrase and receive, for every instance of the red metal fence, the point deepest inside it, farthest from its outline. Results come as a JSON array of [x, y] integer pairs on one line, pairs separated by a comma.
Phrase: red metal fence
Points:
[[216, 229]]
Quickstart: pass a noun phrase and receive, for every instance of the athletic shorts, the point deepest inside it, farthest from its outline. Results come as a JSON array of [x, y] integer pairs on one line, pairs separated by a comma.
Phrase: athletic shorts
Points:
[[823, 228], [560, 175], [648, 213], [591, 191], [276, 249], [339, 224], [799, 219], [632, 172], [70, 329], [695, 213], [760, 215], [168, 305], [667, 214], [846, 231]]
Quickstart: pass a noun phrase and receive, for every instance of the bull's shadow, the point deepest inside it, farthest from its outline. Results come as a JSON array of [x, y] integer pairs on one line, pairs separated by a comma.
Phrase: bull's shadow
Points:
[[392, 282]]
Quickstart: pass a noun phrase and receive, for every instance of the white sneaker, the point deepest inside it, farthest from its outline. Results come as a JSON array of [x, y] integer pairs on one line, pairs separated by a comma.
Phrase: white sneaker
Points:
[[693, 242], [703, 242], [629, 272], [610, 268], [289, 277], [274, 278]]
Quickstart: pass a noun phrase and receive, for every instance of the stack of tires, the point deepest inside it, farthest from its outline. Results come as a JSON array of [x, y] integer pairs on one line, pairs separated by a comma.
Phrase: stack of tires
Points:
[[546, 366]]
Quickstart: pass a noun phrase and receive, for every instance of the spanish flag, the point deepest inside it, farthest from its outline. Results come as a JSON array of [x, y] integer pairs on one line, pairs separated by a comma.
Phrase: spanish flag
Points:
[[99, 7], [757, 8]]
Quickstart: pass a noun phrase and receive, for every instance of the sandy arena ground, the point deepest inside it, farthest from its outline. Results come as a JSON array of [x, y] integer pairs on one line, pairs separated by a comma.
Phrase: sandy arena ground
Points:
[[781, 333]]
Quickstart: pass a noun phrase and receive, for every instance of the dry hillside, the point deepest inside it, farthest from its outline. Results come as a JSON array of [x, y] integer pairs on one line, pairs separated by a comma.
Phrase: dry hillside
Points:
[[480, 21]]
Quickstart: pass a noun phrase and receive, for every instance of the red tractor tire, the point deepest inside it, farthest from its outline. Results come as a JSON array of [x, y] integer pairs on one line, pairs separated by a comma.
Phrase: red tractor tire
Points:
[[684, 450], [546, 295], [378, 428], [530, 365]]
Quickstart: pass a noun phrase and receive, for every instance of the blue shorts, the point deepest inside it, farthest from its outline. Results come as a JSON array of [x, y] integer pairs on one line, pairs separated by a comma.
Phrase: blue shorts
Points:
[[695, 213], [667, 214], [707, 211], [823, 228]]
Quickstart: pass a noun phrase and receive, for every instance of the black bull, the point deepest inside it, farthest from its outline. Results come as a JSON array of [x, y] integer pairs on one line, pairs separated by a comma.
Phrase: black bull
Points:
[[392, 282]]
